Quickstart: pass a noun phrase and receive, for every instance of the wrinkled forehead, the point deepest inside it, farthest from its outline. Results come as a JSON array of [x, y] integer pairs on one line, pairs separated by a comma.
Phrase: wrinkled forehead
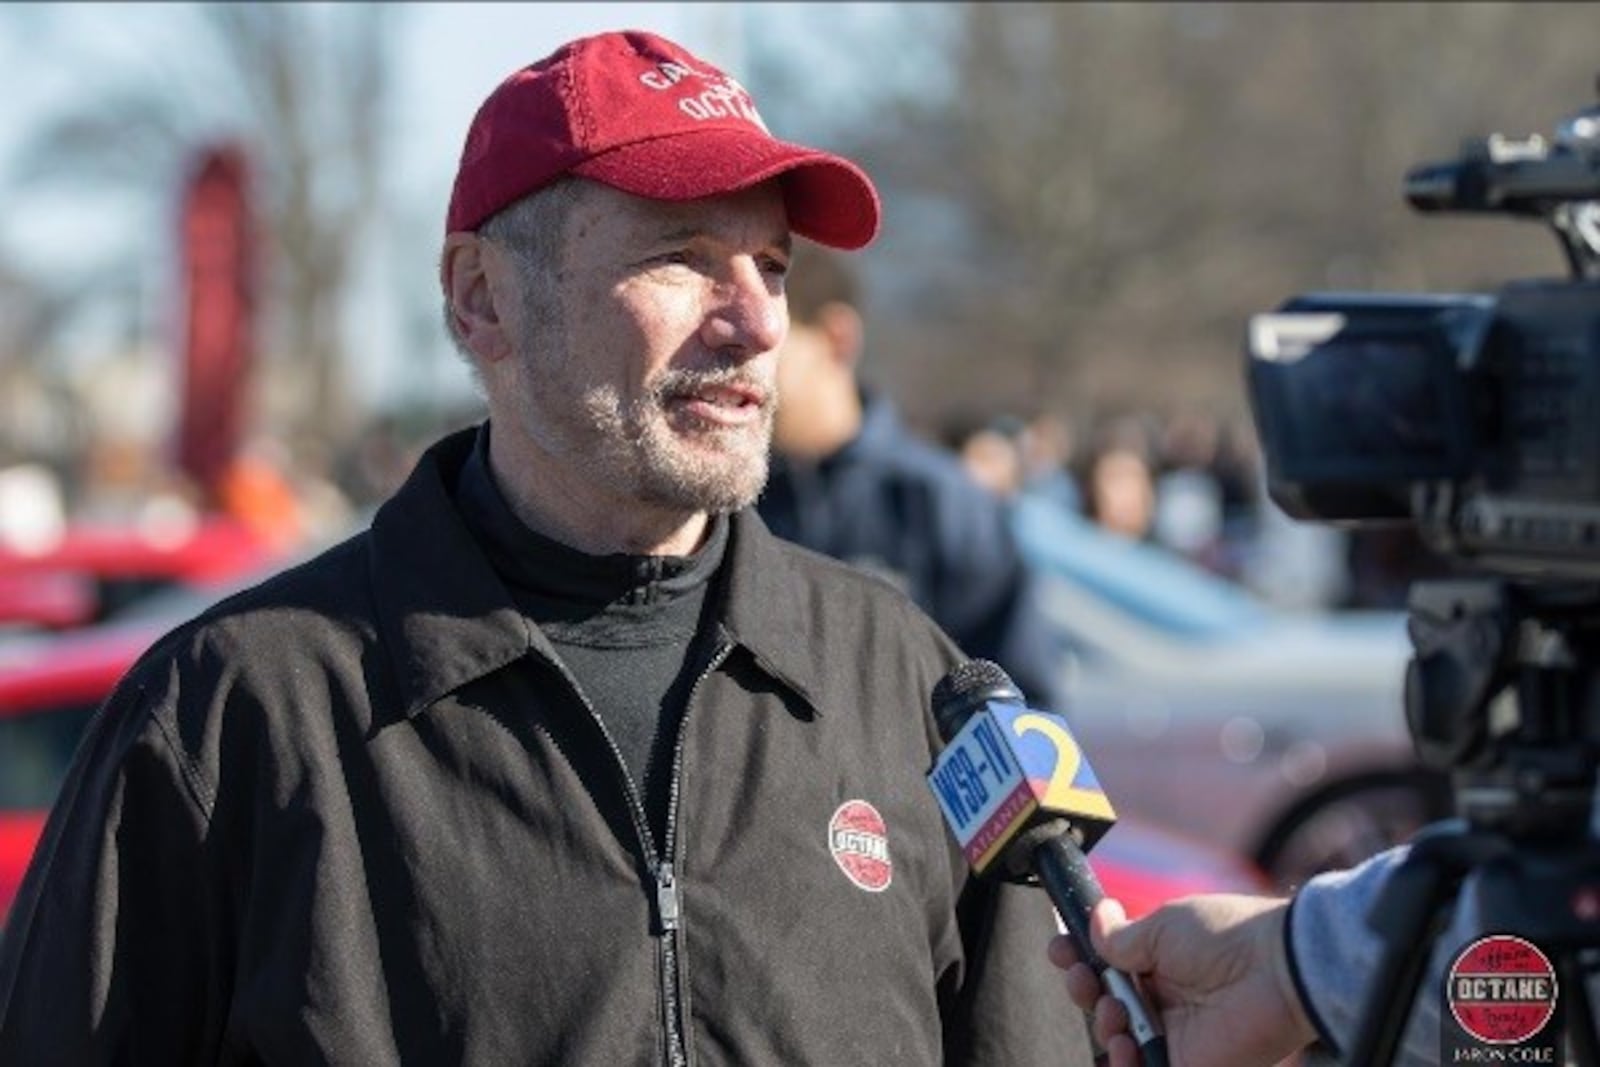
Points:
[[753, 217]]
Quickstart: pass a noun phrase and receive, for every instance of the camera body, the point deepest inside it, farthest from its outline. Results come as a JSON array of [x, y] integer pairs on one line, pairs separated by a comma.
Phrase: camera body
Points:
[[1477, 418], [1474, 416]]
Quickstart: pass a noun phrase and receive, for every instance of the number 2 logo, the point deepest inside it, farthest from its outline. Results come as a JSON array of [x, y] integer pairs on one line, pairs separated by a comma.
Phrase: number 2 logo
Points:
[[1060, 793]]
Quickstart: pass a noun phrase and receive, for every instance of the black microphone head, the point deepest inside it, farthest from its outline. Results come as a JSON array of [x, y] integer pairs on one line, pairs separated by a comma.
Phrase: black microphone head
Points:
[[966, 689]]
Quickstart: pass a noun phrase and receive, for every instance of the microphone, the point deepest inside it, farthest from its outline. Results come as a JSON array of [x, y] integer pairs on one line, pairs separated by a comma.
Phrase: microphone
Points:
[[1024, 805]]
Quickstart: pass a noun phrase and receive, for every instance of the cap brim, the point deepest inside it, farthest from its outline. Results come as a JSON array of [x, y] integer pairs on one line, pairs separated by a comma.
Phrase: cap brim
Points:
[[829, 199]]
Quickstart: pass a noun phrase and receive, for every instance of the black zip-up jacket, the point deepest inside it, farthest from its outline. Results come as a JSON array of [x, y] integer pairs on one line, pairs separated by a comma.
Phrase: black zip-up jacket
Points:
[[360, 815]]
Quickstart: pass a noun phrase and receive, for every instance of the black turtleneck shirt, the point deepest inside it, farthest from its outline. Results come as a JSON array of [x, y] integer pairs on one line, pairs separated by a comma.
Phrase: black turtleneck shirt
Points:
[[625, 626]]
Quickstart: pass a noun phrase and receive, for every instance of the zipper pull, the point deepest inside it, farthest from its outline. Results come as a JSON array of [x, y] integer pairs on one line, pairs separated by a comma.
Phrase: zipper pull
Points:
[[666, 898]]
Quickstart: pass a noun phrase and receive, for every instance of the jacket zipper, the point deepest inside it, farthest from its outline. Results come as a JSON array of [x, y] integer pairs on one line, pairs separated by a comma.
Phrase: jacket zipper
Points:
[[671, 995], [669, 899], [665, 892]]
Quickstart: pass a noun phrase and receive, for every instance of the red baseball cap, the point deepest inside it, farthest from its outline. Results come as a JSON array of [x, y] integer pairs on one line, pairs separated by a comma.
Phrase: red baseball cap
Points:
[[640, 114]]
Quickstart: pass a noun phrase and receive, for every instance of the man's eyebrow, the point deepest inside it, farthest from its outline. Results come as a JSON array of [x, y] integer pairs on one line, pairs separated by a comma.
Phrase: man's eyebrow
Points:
[[783, 241], [682, 233]]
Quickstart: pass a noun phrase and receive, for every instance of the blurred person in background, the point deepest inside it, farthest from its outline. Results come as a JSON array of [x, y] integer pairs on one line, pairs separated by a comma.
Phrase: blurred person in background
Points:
[[851, 481], [1118, 477], [992, 458], [1011, 456], [287, 504], [1119, 493], [1049, 447], [1190, 508], [567, 759]]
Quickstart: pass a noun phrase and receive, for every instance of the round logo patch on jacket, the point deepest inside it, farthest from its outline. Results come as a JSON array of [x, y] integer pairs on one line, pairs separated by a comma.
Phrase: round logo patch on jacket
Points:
[[859, 841]]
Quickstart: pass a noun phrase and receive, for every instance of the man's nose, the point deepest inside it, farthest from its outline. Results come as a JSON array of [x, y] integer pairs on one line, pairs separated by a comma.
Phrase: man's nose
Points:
[[748, 314]]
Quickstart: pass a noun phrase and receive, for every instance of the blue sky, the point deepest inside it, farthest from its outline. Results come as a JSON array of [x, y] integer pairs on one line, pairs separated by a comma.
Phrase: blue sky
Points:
[[448, 57]]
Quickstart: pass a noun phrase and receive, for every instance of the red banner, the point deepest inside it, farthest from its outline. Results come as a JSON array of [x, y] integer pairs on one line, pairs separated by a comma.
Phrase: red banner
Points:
[[217, 255]]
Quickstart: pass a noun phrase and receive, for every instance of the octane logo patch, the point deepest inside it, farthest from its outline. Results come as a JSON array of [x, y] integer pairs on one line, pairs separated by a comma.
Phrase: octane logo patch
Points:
[[859, 841], [1502, 989]]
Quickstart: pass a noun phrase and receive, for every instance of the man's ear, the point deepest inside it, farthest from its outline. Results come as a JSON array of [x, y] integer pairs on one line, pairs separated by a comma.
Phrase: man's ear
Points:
[[466, 269], [841, 324]]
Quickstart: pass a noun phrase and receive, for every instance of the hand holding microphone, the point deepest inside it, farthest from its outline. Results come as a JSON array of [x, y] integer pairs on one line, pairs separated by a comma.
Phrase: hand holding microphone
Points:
[[1214, 964], [1021, 802]]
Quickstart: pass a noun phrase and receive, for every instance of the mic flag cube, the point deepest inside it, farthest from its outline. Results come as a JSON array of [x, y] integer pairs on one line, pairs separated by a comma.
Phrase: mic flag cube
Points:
[[1008, 767]]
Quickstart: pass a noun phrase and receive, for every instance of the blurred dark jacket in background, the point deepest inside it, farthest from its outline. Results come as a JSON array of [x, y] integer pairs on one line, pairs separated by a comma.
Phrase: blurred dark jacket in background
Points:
[[893, 504]]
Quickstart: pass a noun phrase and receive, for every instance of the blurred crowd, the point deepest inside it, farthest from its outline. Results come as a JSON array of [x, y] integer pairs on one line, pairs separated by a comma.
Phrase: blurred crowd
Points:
[[1189, 481], [1192, 483], [289, 494]]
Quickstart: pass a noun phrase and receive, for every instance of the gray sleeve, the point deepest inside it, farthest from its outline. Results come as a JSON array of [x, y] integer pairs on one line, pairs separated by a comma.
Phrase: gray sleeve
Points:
[[1334, 956]]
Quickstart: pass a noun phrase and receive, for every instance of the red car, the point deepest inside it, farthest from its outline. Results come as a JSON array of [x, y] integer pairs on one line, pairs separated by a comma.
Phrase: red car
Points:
[[93, 571], [49, 688]]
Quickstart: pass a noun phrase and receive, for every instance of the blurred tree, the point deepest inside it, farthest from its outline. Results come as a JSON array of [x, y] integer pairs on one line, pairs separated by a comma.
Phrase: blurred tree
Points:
[[1084, 202], [33, 424], [304, 88], [39, 420]]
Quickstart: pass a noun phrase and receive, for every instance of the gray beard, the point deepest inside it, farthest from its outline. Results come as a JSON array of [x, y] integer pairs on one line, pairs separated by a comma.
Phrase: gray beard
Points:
[[640, 456], [631, 449]]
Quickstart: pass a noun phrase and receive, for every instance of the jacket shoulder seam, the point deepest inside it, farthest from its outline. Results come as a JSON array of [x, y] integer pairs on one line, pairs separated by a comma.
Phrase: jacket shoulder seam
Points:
[[200, 791]]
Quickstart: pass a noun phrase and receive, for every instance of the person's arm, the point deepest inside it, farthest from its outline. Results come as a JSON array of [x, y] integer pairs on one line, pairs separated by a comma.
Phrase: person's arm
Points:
[[1215, 969], [1334, 953], [106, 956], [1243, 979]]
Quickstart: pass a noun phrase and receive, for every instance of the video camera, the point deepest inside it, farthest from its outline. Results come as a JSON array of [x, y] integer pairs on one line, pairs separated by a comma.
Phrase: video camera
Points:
[[1475, 416]]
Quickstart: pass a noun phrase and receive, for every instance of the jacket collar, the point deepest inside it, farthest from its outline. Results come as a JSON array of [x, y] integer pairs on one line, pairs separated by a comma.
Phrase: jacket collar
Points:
[[445, 616], [447, 619], [765, 611]]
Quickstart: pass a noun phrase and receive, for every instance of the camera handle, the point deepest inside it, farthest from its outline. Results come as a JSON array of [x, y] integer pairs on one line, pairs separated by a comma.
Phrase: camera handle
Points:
[[1577, 227]]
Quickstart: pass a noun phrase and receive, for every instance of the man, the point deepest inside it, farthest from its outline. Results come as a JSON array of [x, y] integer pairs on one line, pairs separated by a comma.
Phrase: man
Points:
[[850, 481], [566, 760]]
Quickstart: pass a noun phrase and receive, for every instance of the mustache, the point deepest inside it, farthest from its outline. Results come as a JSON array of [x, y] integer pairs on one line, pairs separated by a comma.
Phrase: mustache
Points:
[[682, 381]]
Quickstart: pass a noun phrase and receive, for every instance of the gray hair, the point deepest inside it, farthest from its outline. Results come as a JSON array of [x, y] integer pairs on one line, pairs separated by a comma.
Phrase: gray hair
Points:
[[531, 229]]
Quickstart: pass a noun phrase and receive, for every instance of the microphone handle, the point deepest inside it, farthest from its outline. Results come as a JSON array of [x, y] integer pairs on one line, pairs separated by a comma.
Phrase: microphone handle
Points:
[[1074, 890]]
